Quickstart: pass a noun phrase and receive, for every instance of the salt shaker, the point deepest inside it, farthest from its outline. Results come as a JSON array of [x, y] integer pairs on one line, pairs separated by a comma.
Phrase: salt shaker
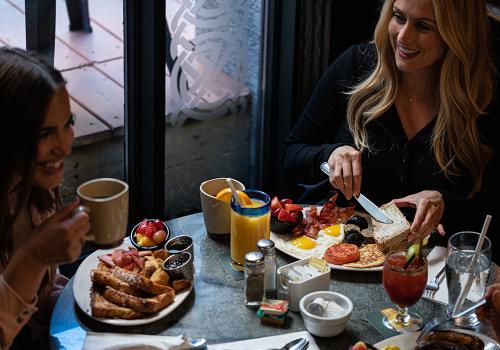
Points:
[[254, 279], [266, 247]]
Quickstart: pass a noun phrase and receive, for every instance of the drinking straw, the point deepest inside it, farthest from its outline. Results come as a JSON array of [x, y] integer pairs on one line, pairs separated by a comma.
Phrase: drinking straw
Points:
[[472, 264], [235, 194]]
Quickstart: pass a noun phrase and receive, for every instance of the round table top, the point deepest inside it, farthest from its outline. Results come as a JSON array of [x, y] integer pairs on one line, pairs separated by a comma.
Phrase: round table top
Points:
[[215, 309]]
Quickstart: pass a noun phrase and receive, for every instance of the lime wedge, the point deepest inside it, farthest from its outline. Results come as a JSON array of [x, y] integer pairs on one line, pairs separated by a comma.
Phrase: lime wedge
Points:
[[412, 251]]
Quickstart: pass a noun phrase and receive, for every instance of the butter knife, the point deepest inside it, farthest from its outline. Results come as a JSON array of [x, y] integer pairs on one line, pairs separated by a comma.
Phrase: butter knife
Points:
[[377, 213]]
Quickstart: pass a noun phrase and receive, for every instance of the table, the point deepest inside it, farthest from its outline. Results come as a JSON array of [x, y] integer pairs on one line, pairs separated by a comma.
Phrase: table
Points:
[[215, 308]]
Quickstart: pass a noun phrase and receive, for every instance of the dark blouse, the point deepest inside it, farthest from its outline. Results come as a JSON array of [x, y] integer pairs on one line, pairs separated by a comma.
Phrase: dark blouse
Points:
[[396, 166]]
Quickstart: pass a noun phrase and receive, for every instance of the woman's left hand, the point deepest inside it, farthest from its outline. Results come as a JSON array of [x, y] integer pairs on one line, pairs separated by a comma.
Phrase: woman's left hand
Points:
[[429, 210]]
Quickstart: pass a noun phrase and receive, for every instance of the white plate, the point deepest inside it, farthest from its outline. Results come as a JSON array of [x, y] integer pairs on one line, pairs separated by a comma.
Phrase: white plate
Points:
[[407, 341], [82, 284], [279, 241]]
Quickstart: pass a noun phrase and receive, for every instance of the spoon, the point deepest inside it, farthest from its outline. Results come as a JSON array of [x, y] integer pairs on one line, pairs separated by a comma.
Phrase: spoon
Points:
[[197, 343], [296, 344]]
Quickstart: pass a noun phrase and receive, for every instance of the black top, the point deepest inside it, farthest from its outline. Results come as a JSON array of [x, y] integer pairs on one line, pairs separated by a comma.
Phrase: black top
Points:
[[396, 166]]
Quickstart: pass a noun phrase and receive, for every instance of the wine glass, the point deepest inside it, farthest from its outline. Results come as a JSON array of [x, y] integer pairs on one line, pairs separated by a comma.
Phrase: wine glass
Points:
[[404, 287]]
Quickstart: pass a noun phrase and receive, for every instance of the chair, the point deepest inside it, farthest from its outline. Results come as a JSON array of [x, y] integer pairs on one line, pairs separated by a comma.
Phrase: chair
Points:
[[41, 24]]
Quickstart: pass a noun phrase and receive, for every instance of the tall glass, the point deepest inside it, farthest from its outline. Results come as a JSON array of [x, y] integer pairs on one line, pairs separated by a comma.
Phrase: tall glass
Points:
[[249, 224], [461, 249], [404, 287]]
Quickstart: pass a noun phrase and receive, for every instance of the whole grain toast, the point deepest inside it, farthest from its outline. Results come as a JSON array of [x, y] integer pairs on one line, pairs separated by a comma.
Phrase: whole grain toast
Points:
[[391, 236]]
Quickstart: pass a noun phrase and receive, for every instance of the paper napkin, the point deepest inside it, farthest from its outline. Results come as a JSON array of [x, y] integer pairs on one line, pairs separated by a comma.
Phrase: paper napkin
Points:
[[435, 261], [267, 342], [121, 341]]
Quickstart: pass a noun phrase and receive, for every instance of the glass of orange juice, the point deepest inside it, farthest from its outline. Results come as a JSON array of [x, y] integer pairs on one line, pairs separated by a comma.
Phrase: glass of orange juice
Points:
[[249, 223]]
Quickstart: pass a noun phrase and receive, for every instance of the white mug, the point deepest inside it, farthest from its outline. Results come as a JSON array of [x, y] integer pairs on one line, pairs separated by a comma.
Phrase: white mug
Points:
[[107, 202]]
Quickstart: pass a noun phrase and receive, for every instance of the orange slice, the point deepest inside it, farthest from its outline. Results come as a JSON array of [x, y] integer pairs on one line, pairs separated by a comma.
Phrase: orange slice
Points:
[[226, 194]]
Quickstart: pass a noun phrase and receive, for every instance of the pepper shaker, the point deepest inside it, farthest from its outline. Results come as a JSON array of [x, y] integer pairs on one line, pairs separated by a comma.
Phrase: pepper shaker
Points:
[[254, 279], [266, 247]]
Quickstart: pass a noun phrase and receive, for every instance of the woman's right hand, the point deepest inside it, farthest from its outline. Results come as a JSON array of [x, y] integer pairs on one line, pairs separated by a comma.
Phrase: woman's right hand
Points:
[[60, 238], [345, 170]]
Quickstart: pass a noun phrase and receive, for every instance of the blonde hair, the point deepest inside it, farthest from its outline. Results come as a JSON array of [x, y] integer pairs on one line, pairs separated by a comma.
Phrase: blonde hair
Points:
[[465, 87]]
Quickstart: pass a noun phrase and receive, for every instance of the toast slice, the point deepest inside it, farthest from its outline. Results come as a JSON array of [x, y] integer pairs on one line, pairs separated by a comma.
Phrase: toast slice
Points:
[[142, 305], [391, 236], [103, 308]]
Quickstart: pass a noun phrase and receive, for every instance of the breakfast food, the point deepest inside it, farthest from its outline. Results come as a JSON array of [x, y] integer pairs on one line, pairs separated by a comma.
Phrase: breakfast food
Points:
[[129, 284], [342, 253], [150, 233], [450, 340], [391, 236], [369, 256]]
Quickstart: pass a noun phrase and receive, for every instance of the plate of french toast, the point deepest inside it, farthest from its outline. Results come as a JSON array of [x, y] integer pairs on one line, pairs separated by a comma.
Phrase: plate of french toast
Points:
[[124, 286]]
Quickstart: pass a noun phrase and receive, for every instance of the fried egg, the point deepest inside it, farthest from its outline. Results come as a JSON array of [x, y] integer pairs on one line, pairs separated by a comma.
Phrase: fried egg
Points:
[[306, 247], [334, 231]]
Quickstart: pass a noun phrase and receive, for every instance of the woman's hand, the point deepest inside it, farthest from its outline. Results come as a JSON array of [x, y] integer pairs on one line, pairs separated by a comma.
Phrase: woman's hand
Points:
[[493, 294], [430, 208], [60, 238], [345, 170]]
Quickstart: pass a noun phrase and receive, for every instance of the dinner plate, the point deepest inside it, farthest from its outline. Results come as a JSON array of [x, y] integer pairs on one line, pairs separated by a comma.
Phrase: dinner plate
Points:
[[82, 285], [280, 244], [407, 341]]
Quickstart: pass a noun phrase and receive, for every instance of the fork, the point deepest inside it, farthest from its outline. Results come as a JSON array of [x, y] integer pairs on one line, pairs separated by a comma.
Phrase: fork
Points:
[[433, 286]]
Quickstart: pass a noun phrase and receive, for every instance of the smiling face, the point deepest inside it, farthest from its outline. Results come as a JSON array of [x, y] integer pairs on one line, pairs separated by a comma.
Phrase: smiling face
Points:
[[54, 142], [414, 36]]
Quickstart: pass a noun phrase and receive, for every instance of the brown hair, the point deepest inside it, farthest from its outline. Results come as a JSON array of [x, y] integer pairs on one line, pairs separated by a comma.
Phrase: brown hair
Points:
[[27, 85]]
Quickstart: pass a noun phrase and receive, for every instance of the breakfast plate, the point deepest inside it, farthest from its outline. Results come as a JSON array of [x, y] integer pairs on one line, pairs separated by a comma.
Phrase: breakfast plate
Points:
[[407, 341], [284, 244], [82, 285], [281, 244]]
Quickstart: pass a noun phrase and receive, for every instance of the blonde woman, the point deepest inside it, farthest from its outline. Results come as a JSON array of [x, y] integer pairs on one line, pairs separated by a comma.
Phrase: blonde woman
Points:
[[410, 118]]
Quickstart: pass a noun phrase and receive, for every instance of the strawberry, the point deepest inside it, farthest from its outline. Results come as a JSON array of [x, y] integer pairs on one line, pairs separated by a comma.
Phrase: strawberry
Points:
[[285, 216], [275, 204], [158, 225], [142, 227], [275, 212], [293, 207], [150, 230], [285, 201]]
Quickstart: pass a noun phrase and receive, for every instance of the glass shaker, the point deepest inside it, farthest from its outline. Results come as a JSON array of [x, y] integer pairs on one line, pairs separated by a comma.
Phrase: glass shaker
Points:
[[266, 247], [254, 279]]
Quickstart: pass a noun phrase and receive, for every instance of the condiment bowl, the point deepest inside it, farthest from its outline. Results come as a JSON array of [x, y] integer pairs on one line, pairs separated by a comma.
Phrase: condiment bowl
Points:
[[179, 266], [179, 244], [326, 326], [133, 239]]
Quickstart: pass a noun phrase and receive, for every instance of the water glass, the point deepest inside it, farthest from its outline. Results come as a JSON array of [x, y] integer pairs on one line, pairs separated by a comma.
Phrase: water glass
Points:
[[461, 250], [249, 223]]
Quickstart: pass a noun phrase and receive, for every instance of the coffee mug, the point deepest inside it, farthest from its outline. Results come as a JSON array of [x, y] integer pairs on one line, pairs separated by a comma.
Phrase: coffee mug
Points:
[[107, 202], [216, 213]]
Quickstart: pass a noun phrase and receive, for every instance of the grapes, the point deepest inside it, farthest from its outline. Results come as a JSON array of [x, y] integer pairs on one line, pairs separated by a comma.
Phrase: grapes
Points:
[[159, 236]]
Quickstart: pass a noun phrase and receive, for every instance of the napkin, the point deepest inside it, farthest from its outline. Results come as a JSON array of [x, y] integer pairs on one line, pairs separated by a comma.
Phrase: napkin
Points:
[[276, 341], [119, 341], [435, 261]]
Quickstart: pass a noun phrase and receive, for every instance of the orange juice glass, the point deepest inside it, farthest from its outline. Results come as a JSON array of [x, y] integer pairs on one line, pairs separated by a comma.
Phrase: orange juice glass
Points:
[[249, 224]]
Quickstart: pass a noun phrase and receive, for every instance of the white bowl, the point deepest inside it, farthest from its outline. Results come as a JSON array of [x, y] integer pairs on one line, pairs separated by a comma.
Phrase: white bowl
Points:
[[325, 326]]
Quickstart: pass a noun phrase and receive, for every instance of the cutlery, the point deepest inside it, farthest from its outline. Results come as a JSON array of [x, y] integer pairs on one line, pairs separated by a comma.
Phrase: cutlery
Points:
[[296, 344], [368, 205], [435, 321], [434, 284]]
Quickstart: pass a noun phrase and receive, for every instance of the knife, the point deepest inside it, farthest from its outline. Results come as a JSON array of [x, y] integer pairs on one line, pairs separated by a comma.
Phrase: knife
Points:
[[377, 213]]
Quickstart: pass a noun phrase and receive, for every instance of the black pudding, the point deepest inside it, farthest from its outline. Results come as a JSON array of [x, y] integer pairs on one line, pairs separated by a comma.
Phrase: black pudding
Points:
[[358, 221], [354, 237]]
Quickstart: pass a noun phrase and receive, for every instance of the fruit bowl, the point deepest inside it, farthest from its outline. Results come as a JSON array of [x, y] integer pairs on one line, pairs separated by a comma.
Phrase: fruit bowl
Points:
[[285, 227], [149, 244]]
